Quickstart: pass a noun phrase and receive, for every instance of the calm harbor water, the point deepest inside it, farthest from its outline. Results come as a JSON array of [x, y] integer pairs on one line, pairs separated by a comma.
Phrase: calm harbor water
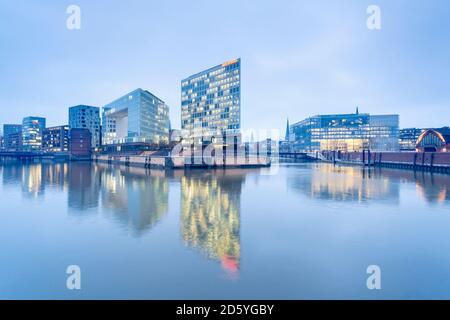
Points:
[[295, 231]]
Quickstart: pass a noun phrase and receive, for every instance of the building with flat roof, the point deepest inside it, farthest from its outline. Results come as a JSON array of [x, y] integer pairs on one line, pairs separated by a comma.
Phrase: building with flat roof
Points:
[[32, 132], [211, 103], [346, 132], [56, 139], [137, 117], [80, 142], [12, 136], [86, 117], [408, 138]]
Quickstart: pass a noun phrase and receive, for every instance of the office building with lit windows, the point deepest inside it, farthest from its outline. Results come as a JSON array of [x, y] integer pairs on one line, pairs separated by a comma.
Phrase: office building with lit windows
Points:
[[211, 103], [346, 132], [32, 132], [86, 117], [12, 136], [137, 117], [408, 138], [56, 139]]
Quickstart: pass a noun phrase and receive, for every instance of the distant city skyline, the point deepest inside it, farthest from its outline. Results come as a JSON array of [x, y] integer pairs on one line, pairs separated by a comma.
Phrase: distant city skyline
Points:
[[299, 58]]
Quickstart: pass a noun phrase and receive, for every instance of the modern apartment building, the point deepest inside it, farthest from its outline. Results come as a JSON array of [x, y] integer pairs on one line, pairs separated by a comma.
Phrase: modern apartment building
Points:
[[12, 136], [137, 117], [346, 132], [56, 139], [211, 103], [32, 133], [86, 117]]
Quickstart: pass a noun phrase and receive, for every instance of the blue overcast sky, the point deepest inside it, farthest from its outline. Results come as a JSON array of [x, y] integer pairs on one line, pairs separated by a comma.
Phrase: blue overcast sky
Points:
[[299, 58]]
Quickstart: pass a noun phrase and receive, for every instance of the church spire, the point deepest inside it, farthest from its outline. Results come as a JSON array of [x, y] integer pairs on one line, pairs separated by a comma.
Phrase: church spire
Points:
[[286, 138]]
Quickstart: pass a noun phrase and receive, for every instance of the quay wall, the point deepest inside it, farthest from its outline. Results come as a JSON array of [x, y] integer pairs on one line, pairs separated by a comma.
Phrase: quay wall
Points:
[[161, 162], [140, 161], [43, 156], [426, 161], [151, 161]]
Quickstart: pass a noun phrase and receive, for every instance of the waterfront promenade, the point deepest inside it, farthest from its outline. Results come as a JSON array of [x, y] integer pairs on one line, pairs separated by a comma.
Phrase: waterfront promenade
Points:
[[426, 161]]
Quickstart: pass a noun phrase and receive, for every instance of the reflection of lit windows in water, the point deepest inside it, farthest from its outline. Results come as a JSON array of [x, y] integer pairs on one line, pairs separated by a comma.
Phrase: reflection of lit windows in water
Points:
[[210, 218]]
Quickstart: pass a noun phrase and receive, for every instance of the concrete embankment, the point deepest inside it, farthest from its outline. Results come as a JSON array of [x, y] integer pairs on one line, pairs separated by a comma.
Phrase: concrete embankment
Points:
[[43, 156], [187, 162], [426, 161]]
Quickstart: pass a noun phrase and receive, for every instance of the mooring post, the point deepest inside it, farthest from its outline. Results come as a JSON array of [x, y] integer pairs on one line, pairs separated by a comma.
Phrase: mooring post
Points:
[[415, 161], [431, 161]]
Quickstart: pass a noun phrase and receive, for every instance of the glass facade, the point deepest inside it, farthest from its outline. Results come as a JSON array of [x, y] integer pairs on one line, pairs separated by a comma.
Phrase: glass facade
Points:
[[12, 136], [211, 103], [32, 131], [86, 117], [408, 138], [384, 132], [138, 116], [346, 132]]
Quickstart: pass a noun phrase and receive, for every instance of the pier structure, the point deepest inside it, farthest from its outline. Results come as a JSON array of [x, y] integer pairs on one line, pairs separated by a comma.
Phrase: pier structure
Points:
[[184, 162]]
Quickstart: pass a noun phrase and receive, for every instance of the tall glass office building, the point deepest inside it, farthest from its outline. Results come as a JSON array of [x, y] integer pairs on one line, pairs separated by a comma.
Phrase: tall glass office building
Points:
[[211, 103], [138, 116], [346, 132], [86, 117], [32, 132]]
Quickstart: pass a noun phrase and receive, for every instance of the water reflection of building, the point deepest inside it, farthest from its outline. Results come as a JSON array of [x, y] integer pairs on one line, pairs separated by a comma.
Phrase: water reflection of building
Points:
[[432, 188], [345, 183], [137, 197], [33, 180], [210, 214], [84, 186], [56, 175], [11, 172], [354, 183]]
